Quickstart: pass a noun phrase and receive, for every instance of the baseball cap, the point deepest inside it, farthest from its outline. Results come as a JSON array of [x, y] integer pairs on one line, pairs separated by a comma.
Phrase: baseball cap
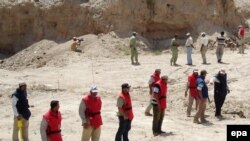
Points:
[[125, 85], [188, 34], [94, 89], [203, 33], [22, 83], [222, 71]]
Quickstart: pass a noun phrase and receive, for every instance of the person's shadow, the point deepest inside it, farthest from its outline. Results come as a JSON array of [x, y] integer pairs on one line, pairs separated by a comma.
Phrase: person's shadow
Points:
[[167, 134], [208, 123]]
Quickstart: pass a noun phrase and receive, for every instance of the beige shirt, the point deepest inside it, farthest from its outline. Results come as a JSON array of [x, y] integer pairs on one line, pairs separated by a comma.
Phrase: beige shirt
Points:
[[82, 109], [204, 41], [43, 128]]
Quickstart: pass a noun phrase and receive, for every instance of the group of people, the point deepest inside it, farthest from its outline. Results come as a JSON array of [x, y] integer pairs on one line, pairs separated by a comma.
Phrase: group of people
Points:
[[189, 45], [91, 106]]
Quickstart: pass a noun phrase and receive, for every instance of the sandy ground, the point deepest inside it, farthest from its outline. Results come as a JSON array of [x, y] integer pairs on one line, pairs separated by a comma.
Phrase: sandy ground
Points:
[[69, 82]]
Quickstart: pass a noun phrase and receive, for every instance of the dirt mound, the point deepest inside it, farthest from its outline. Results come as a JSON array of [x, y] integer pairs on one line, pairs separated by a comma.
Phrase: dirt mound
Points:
[[50, 53]]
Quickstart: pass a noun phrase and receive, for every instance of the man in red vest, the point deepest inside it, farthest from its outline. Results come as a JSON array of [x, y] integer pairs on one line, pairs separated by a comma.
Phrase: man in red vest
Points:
[[159, 102], [51, 123], [90, 113], [193, 92], [125, 113], [241, 34], [153, 79]]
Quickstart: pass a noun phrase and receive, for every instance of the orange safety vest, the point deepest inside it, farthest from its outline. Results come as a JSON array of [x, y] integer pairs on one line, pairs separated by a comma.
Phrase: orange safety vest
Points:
[[127, 106], [54, 126], [156, 78], [163, 93], [192, 79], [93, 110]]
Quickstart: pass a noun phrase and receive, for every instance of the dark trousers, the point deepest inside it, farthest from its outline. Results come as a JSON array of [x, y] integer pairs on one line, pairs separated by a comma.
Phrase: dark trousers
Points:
[[124, 127], [219, 101], [158, 115]]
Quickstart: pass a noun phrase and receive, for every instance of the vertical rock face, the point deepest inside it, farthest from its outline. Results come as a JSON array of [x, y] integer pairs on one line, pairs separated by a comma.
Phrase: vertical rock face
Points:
[[24, 23]]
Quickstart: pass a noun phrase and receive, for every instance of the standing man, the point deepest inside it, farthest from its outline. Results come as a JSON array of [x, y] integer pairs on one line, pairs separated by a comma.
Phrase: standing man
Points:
[[134, 52], [125, 113], [189, 45], [204, 44], [220, 91], [20, 105], [193, 92], [241, 34], [153, 79], [220, 47], [174, 48], [50, 128], [203, 96], [159, 102], [90, 113]]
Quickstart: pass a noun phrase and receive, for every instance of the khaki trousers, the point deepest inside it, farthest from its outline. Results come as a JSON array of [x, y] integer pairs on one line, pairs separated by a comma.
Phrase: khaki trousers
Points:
[[25, 130], [91, 132], [203, 54], [158, 116], [201, 111], [190, 104]]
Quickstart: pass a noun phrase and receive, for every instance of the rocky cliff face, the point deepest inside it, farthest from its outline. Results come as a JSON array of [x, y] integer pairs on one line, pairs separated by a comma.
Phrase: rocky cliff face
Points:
[[24, 23]]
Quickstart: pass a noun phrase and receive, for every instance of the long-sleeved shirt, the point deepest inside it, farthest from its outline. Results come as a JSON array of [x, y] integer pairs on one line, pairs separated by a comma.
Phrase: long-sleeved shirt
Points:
[[82, 109], [14, 102], [43, 128], [133, 42]]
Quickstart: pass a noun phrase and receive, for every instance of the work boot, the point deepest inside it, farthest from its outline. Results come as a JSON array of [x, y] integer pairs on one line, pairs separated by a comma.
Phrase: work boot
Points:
[[162, 132], [148, 114], [196, 121], [155, 134], [203, 120]]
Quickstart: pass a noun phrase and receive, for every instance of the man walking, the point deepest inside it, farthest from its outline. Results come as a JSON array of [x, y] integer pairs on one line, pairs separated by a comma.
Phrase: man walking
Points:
[[174, 49], [193, 92], [203, 96], [134, 52], [125, 113], [50, 128], [90, 113], [189, 45], [153, 79], [21, 110], [241, 34], [204, 44], [220, 46], [220, 91], [159, 102]]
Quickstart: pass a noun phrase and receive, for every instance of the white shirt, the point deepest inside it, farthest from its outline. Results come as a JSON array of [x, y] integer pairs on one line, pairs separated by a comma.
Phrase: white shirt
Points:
[[204, 41], [189, 42]]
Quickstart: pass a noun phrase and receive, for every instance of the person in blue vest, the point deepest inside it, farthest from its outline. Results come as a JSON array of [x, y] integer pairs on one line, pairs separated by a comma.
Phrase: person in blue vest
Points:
[[20, 105], [220, 91], [203, 97]]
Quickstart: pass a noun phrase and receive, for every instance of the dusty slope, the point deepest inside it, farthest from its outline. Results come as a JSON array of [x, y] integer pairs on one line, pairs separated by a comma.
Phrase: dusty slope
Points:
[[75, 77]]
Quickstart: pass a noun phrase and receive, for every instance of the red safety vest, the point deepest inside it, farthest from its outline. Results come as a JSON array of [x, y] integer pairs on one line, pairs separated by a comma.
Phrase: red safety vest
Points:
[[242, 32], [192, 85], [127, 106], [54, 126], [93, 110], [163, 93], [156, 78]]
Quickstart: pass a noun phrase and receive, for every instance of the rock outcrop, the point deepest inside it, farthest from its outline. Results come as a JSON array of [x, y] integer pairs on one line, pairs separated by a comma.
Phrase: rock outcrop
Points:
[[29, 21]]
